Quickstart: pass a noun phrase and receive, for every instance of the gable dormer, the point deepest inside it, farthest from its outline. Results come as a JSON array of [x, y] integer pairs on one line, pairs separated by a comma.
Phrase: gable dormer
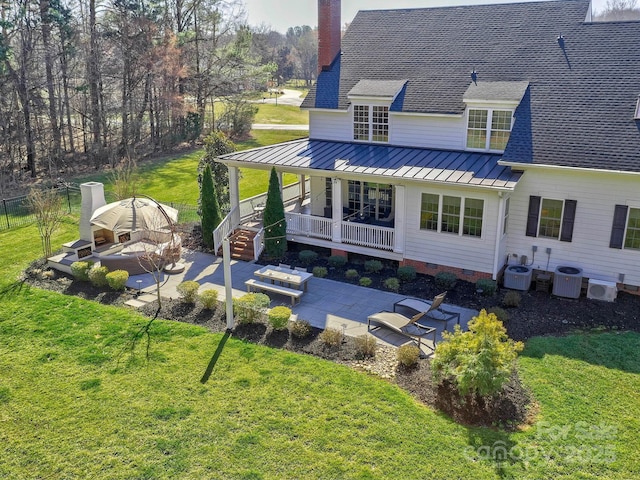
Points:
[[371, 101], [489, 113]]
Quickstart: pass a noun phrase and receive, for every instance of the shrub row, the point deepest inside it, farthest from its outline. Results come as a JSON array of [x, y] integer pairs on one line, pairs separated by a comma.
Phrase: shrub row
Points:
[[85, 271]]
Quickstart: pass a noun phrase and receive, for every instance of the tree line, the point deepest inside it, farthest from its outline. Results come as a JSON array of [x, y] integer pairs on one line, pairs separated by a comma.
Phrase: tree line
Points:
[[93, 82]]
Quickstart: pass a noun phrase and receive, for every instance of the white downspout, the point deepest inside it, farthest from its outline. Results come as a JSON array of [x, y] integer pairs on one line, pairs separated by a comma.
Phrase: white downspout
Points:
[[498, 241]]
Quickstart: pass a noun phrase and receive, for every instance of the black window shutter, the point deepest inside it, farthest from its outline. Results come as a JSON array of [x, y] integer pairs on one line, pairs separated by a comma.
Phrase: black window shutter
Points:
[[532, 217], [619, 224], [567, 220]]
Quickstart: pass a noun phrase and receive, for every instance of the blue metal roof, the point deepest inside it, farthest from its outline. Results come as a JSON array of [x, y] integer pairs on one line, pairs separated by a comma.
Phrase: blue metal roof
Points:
[[390, 162]]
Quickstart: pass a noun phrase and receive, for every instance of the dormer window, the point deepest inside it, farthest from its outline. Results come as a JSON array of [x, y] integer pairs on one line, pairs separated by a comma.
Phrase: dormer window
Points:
[[488, 129], [371, 123]]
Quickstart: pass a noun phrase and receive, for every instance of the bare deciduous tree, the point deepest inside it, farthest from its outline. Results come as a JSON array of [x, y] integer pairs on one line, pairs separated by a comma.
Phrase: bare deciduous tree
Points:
[[47, 208]]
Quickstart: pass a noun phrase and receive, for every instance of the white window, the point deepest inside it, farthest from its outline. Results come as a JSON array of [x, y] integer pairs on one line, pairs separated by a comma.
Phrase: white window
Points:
[[488, 129], [446, 213], [371, 123]]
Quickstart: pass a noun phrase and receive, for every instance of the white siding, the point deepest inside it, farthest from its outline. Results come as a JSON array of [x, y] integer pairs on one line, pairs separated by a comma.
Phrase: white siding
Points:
[[428, 132], [449, 249], [596, 195], [334, 126], [318, 195]]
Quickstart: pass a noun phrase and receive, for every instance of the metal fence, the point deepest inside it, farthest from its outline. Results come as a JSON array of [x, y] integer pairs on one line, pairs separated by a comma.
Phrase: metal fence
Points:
[[17, 213]]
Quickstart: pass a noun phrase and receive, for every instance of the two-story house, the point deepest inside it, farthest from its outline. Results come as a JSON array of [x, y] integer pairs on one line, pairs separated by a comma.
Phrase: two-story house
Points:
[[467, 138]]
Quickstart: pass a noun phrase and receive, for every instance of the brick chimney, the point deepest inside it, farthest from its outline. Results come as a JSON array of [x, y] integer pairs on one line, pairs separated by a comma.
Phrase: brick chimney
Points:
[[329, 25]]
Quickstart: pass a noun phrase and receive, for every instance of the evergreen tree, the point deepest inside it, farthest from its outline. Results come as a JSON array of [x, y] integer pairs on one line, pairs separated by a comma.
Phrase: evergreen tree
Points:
[[275, 225], [217, 144], [210, 209]]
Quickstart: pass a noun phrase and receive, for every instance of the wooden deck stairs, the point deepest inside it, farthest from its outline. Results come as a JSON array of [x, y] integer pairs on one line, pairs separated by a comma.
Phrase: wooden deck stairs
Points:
[[241, 243]]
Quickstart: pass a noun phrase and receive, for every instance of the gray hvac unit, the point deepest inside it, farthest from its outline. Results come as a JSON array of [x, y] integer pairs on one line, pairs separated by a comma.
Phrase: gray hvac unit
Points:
[[518, 277], [567, 282]]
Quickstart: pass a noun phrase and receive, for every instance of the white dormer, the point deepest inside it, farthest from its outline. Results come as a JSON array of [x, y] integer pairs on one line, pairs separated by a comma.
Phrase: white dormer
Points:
[[370, 102], [490, 108]]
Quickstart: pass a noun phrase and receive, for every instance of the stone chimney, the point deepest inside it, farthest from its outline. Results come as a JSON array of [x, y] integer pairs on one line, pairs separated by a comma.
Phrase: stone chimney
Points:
[[329, 25], [92, 199]]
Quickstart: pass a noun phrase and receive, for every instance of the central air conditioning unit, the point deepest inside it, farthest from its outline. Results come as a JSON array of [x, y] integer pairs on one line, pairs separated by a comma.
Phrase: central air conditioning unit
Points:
[[602, 290], [518, 277], [567, 282]]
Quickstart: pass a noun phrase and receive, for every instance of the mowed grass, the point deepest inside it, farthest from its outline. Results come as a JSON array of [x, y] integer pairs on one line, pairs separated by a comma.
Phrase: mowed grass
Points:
[[281, 114], [75, 404], [174, 178]]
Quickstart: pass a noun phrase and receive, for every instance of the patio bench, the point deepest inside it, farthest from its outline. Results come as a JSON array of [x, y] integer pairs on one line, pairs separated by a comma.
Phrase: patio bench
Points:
[[256, 285]]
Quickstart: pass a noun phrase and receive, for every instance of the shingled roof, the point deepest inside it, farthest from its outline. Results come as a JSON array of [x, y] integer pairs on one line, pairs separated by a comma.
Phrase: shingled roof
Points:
[[578, 110]]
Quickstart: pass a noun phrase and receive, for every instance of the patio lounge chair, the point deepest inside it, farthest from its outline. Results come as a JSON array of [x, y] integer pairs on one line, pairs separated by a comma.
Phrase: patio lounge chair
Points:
[[405, 326], [430, 310]]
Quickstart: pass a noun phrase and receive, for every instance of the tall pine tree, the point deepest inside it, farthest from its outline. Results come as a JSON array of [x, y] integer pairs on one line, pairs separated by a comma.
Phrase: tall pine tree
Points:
[[209, 207], [275, 225]]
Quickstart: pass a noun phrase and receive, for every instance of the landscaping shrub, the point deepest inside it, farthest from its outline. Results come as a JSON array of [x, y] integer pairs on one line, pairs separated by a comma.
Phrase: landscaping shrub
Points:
[[479, 361], [445, 280], [209, 299], [500, 313], [373, 266], [300, 329], [366, 345], [80, 270], [279, 317], [117, 279], [331, 337], [365, 282], [511, 299], [392, 284], [188, 291], [319, 272], [487, 286], [408, 355], [351, 274], [406, 273], [98, 276], [251, 307], [307, 257], [337, 261]]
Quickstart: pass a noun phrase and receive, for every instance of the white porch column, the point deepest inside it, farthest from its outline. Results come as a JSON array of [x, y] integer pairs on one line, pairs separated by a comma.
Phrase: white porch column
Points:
[[303, 187], [400, 218], [234, 192], [499, 226], [336, 209]]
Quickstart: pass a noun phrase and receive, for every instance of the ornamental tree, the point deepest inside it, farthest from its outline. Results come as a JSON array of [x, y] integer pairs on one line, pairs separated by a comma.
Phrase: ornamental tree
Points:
[[209, 208], [275, 225], [479, 361]]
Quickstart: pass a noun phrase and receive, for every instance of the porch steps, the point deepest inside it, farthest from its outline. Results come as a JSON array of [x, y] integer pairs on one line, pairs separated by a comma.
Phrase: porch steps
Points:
[[241, 243]]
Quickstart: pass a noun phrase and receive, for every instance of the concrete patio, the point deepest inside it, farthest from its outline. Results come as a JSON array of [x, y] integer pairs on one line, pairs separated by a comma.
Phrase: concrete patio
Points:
[[327, 303]]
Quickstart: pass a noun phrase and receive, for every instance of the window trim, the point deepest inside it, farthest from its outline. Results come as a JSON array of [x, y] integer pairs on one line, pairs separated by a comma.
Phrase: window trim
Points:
[[488, 128], [620, 227], [567, 218], [462, 218], [372, 128]]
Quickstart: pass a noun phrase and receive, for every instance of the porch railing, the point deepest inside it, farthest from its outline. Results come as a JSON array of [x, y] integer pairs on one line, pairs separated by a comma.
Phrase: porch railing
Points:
[[368, 235], [226, 227], [258, 244], [308, 225]]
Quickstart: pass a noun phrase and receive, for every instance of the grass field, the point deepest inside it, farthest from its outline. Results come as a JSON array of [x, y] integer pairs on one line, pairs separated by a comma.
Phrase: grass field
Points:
[[281, 114]]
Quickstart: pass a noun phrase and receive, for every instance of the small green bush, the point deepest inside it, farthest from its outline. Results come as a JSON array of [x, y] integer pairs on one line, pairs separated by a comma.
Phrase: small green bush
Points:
[[512, 299], [373, 266], [408, 355], [98, 276], [365, 282], [487, 286], [251, 307], [392, 284], [337, 261], [117, 279], [307, 257], [80, 270], [319, 272], [300, 329], [279, 317], [445, 280], [500, 313], [351, 274], [331, 337], [406, 273], [188, 291], [366, 345], [209, 299]]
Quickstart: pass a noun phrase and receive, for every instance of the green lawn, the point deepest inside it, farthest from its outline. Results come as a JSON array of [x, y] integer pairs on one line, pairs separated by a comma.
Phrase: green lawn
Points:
[[71, 407], [281, 114]]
